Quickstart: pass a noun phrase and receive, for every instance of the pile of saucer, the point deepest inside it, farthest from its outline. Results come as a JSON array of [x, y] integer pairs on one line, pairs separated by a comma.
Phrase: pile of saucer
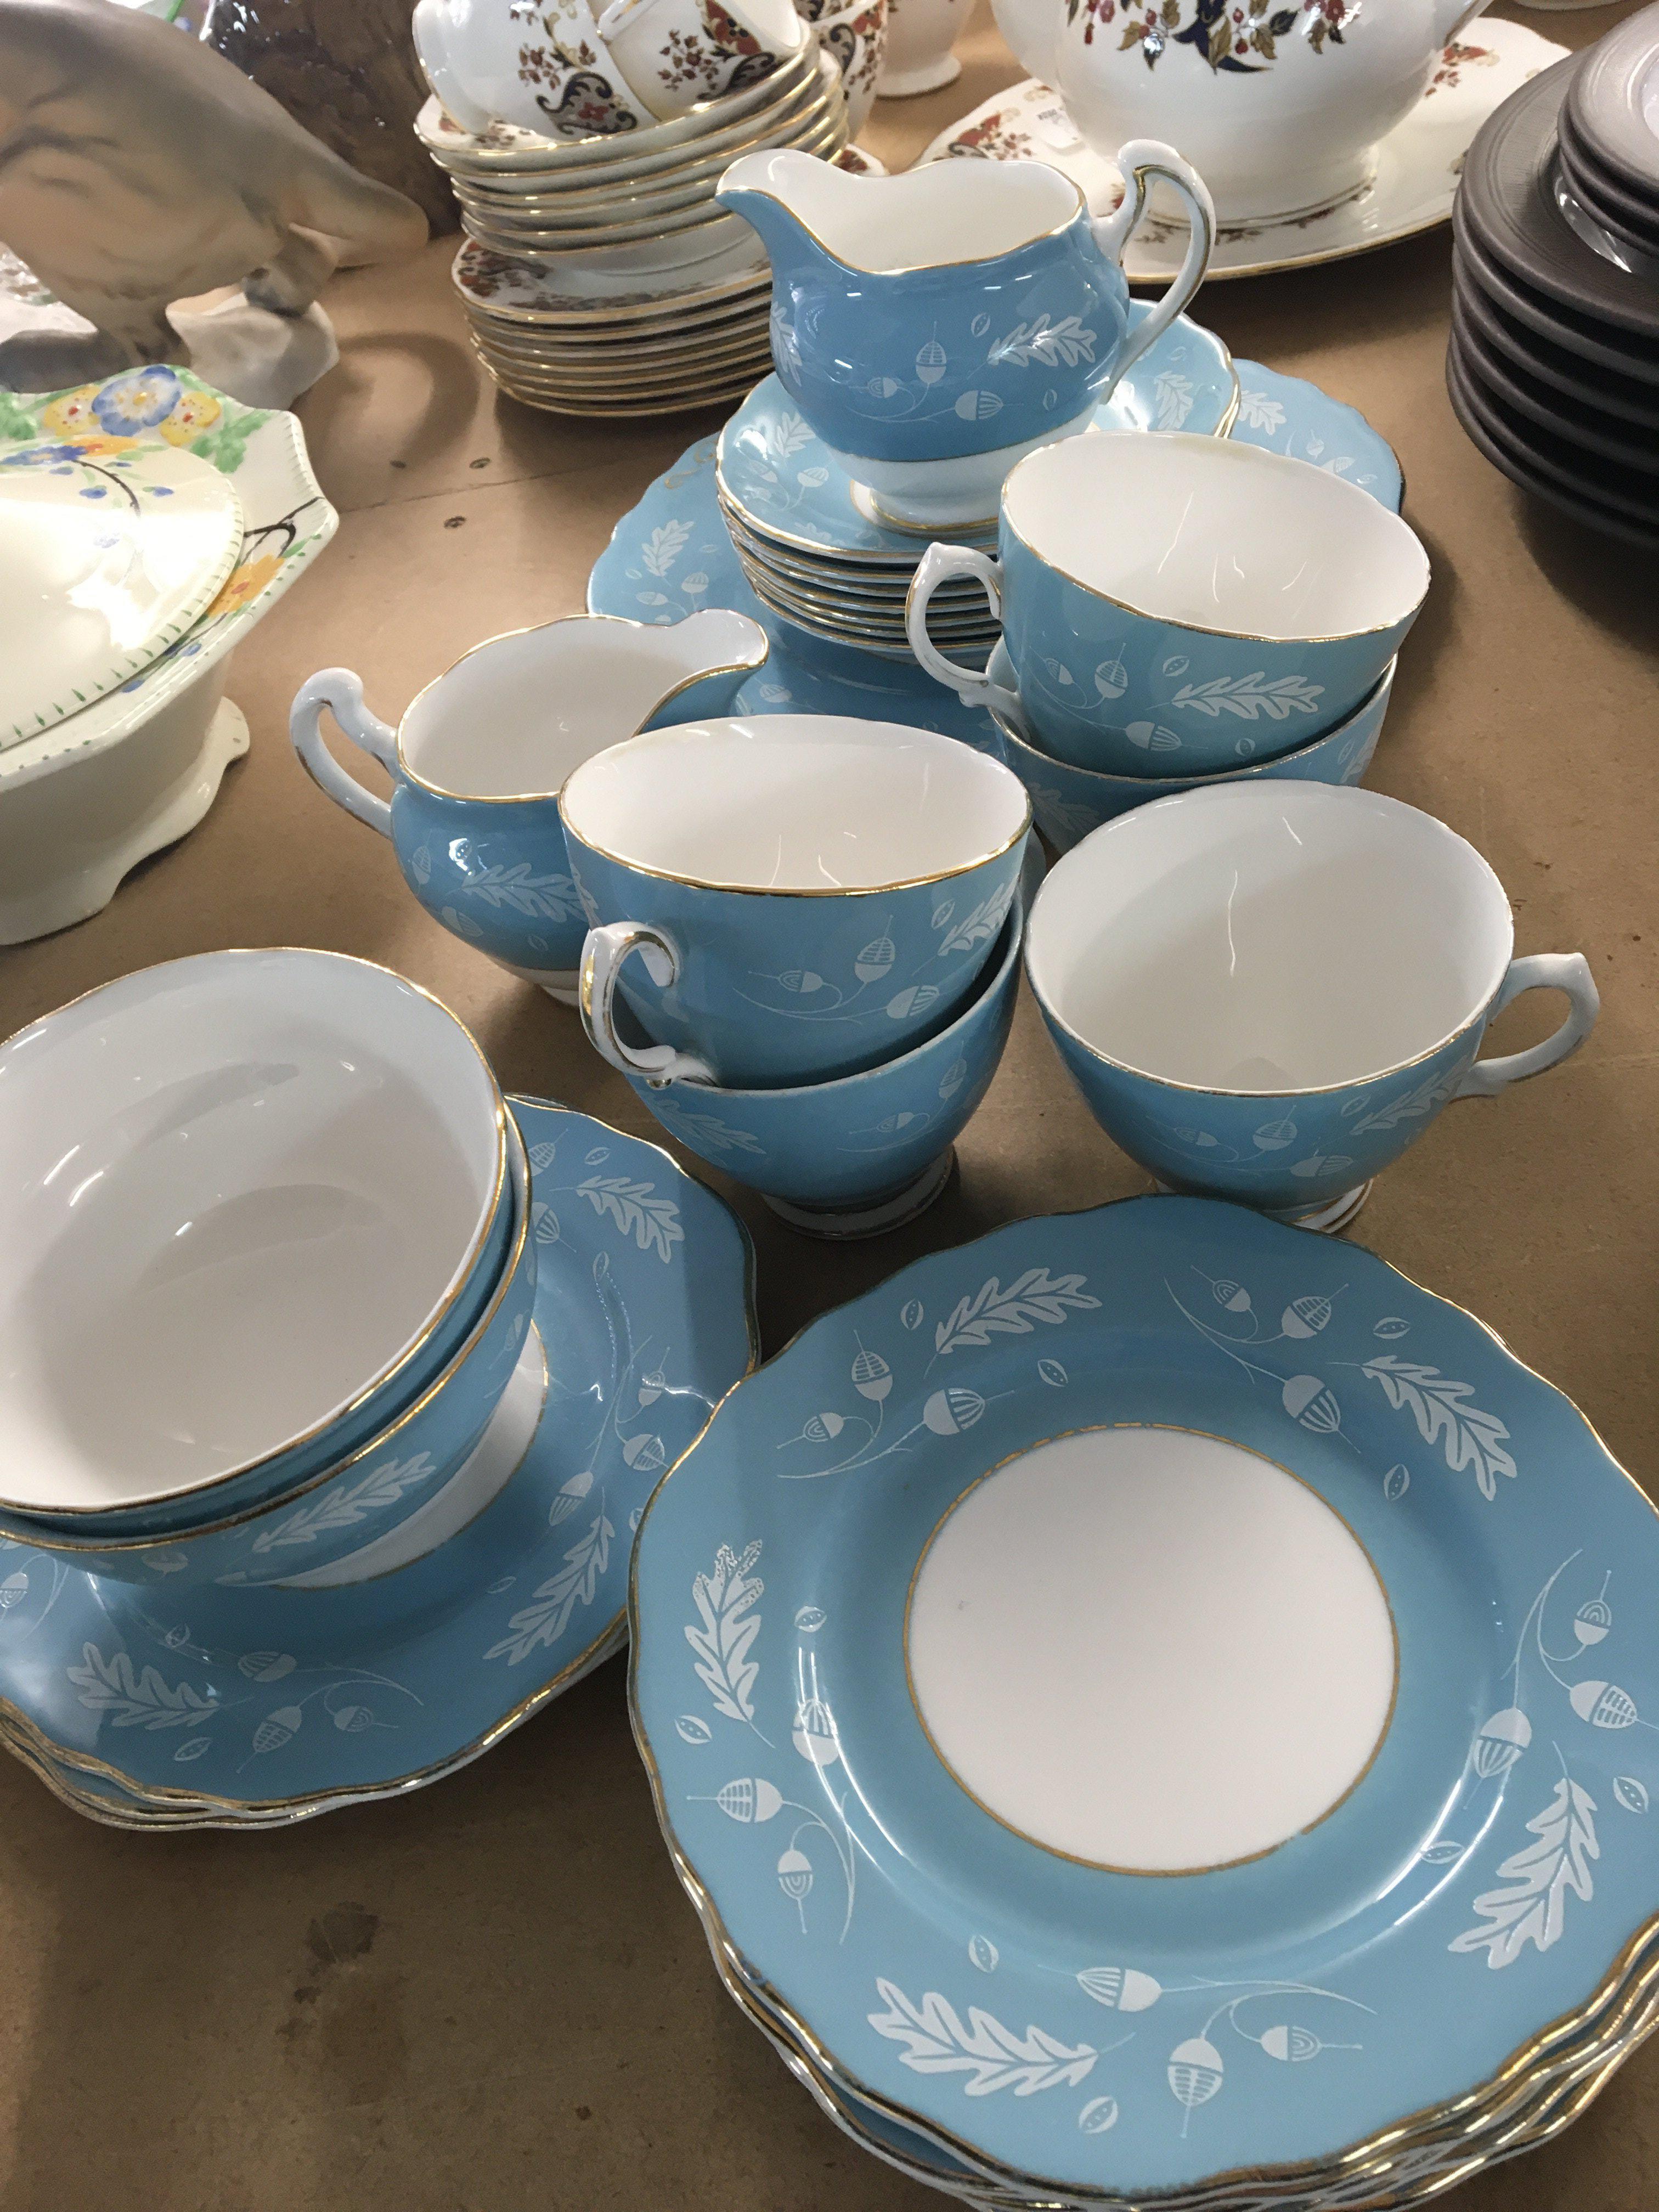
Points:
[[298, 1532], [1553, 366], [1071, 1683]]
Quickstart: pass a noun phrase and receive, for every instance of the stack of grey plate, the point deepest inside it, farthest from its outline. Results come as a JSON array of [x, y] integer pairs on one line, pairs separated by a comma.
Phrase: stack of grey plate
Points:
[[1553, 366]]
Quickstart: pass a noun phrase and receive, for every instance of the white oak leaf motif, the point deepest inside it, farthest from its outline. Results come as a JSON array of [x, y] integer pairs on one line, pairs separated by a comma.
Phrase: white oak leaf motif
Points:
[[1033, 1297], [546, 1618], [1442, 1413], [727, 1624], [938, 2041], [1533, 1910], [551, 897], [985, 921], [371, 1492], [1069, 341], [131, 1698], [1250, 697], [707, 1132], [1259, 411], [1432, 1091], [654, 1222], [664, 546], [791, 435], [1172, 395]]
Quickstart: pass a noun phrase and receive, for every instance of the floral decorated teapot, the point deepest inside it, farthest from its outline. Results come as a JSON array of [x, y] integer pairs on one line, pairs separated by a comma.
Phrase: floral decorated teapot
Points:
[[1279, 104]]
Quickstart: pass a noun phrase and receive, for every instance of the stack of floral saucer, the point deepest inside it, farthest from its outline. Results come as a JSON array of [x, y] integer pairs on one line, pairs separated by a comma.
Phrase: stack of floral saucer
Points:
[[1142, 1720], [819, 554], [1553, 368]]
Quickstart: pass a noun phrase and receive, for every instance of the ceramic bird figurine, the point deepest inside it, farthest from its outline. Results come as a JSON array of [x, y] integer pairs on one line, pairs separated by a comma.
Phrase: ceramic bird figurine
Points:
[[138, 168]]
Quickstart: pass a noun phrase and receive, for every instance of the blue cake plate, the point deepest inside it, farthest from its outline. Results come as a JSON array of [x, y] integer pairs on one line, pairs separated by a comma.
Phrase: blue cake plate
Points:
[[1487, 1881], [673, 554], [279, 1703]]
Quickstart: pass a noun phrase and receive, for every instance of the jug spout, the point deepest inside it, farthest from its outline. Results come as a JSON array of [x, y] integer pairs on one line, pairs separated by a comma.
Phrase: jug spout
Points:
[[791, 198], [1451, 16]]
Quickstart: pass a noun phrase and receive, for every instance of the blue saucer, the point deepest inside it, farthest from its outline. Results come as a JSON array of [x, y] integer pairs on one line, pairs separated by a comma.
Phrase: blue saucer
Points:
[[268, 1699], [673, 554], [1087, 2028]]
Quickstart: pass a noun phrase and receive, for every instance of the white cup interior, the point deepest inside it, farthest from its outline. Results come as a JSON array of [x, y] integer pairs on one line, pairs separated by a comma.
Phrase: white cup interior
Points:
[[239, 1189], [515, 715], [1269, 938], [795, 803], [1217, 536], [945, 212]]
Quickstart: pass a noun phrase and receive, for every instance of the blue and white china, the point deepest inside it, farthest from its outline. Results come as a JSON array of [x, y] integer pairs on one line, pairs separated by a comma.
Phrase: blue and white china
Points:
[[807, 895], [1287, 415], [477, 759], [424, 1471], [1284, 112], [1239, 603], [864, 1152], [1067, 802], [1148, 1697], [235, 1702], [1267, 991], [928, 373], [209, 1163], [779, 477]]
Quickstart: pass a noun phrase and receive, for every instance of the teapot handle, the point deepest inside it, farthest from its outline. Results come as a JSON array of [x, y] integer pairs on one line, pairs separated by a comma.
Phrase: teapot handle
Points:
[[1141, 160]]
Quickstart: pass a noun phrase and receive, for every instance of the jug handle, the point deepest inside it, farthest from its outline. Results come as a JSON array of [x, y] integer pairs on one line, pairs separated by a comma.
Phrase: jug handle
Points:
[[342, 690], [1141, 160], [936, 564]]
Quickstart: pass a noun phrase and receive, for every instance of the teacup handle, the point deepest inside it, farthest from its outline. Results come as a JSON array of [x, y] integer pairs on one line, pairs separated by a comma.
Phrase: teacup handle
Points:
[[340, 691], [936, 565], [1538, 971], [1142, 161], [602, 953]]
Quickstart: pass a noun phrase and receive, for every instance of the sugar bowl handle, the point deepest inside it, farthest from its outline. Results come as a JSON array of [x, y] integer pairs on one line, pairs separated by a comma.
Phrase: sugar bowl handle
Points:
[[937, 564], [1142, 163], [340, 691], [1538, 971], [603, 954]]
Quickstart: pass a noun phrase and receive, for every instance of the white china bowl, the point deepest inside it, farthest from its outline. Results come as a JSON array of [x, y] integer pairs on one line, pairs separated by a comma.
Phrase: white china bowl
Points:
[[208, 1250]]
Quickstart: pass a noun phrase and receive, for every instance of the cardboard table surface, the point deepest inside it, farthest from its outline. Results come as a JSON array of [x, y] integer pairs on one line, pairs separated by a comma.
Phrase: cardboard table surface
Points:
[[492, 1995]]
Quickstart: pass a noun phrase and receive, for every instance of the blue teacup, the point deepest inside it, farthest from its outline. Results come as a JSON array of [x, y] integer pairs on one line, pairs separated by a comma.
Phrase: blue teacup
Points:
[[933, 327], [1068, 802], [1267, 991], [806, 895], [478, 757], [862, 1153], [1181, 604]]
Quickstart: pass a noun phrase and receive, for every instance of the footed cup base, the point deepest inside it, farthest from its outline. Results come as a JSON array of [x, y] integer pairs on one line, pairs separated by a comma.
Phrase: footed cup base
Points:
[[1329, 1218], [932, 76], [863, 1220], [561, 983]]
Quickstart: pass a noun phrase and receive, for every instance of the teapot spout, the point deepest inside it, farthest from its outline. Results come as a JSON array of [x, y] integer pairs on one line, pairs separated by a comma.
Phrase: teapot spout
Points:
[[1451, 16]]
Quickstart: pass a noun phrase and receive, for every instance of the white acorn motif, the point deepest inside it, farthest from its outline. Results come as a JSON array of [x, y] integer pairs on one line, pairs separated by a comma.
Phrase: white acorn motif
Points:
[[352, 1720], [651, 1387], [1291, 2044], [1121, 1989], [13, 1587], [1305, 1316], [570, 1495], [1151, 737], [1097, 2115], [1499, 1742], [794, 1874], [983, 1954], [265, 1666], [1593, 1620], [801, 979], [1306, 1400], [748, 1800], [977, 406], [544, 1223], [881, 387], [1273, 1136], [1603, 1705], [814, 1734], [932, 361], [1231, 1295], [645, 1452], [876, 960], [914, 999], [420, 864], [872, 1378], [949, 1412], [1111, 679], [823, 1428], [275, 1730], [890, 1124], [1194, 2071], [953, 1080], [1322, 1163]]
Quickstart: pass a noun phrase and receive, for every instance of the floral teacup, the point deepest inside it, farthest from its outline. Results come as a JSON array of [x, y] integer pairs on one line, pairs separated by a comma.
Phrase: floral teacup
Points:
[[675, 53], [545, 68]]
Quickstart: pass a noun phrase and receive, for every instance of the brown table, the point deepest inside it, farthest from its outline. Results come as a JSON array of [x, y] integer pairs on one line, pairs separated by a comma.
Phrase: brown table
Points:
[[493, 1994]]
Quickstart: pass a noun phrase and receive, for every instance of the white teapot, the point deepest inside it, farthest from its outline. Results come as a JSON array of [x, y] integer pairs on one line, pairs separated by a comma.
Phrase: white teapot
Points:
[[1278, 104]]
